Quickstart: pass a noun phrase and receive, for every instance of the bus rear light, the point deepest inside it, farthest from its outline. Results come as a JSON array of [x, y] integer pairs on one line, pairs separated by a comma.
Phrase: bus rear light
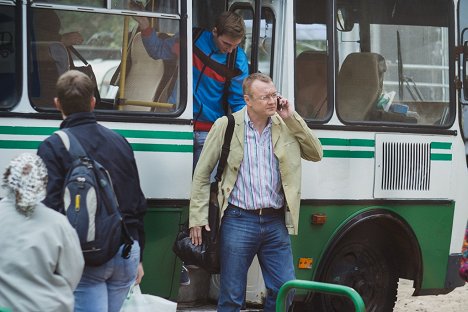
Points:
[[319, 218], [305, 263]]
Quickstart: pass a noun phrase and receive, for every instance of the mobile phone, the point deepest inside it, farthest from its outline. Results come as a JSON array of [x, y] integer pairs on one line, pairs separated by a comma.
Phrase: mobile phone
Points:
[[279, 106]]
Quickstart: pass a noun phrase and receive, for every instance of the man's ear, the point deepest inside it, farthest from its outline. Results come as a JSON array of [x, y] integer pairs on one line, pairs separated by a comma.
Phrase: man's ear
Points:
[[247, 99], [57, 104], [93, 103], [215, 32]]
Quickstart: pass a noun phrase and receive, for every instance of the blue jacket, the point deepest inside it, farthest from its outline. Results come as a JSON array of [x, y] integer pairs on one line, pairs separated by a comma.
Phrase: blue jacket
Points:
[[113, 152], [207, 84]]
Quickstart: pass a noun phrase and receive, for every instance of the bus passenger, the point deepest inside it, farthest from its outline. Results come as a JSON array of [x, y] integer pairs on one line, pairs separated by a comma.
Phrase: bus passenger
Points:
[[211, 49], [260, 190], [101, 288], [41, 260]]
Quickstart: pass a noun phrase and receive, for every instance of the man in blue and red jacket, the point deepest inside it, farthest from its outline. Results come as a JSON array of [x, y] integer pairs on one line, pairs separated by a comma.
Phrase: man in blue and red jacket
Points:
[[219, 68]]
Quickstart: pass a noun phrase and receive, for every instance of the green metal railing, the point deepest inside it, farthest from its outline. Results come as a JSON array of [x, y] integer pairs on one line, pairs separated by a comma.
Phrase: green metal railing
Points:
[[326, 288]]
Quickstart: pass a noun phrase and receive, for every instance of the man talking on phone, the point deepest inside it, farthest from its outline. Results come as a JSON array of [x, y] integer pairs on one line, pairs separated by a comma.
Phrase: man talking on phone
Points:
[[259, 193]]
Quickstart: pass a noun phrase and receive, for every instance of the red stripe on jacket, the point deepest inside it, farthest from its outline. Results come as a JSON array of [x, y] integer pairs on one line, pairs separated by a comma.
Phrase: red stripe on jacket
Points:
[[208, 71]]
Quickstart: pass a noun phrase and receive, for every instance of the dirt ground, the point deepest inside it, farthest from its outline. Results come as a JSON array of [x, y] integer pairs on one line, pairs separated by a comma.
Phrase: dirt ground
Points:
[[456, 301]]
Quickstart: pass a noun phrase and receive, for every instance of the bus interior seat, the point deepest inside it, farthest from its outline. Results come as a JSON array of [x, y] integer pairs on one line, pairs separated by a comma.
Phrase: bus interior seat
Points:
[[311, 84], [147, 79], [360, 83], [143, 77], [50, 60]]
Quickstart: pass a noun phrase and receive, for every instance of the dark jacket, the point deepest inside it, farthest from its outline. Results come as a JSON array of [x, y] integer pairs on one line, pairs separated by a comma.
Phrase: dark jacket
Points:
[[113, 152]]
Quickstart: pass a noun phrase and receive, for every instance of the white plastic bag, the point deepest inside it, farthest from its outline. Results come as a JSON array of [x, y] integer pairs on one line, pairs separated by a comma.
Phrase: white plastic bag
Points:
[[138, 302]]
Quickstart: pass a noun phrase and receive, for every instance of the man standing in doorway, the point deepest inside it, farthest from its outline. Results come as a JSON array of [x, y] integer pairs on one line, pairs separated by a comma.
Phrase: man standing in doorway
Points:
[[217, 87], [259, 193]]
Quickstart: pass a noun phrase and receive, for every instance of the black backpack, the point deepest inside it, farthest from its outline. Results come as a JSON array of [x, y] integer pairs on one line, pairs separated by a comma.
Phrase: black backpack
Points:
[[91, 206]]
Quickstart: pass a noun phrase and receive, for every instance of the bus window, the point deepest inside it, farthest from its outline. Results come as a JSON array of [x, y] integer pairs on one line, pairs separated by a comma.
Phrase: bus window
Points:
[[148, 86], [160, 6], [264, 48], [311, 72], [394, 63], [9, 91]]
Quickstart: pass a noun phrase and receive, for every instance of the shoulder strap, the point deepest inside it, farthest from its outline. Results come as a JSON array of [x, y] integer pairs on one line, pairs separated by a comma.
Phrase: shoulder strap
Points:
[[77, 54], [231, 63], [196, 32], [71, 143], [225, 148]]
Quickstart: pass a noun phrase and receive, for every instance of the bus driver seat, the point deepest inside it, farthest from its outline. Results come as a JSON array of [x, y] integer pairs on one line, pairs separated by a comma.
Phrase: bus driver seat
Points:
[[360, 83]]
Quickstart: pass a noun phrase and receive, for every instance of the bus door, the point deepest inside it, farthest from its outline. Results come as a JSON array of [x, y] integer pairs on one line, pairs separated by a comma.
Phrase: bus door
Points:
[[463, 74]]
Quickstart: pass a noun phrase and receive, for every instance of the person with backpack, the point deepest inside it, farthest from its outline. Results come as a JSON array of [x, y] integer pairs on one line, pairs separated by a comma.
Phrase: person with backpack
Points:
[[102, 287]]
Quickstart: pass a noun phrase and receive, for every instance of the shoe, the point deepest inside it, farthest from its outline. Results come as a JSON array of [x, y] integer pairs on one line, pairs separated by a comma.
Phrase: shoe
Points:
[[184, 277]]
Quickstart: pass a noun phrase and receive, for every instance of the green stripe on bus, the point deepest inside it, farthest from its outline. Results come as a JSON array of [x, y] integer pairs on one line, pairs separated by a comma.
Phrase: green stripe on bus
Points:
[[27, 130], [19, 144], [441, 156], [441, 145], [348, 154], [148, 134], [142, 147], [144, 134], [347, 142]]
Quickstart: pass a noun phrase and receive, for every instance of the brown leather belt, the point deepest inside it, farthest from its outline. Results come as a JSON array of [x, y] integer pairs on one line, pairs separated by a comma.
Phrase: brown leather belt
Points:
[[265, 211], [269, 211]]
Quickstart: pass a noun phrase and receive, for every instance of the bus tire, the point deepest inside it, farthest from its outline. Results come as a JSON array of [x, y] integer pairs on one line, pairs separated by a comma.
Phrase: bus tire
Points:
[[361, 264]]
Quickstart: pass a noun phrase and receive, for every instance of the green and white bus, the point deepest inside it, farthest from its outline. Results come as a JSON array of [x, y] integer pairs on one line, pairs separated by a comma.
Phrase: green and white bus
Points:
[[381, 82]]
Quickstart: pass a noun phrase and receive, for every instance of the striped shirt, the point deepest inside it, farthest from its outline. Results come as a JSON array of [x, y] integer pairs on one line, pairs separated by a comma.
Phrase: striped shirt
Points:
[[258, 183]]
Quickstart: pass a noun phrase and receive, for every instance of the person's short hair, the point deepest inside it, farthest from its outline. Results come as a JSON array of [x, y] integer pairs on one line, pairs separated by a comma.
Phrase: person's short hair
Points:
[[74, 91], [230, 24], [247, 84]]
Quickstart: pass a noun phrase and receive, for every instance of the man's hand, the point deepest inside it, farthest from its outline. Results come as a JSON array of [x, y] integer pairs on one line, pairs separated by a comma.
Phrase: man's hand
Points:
[[196, 234], [142, 21], [286, 110], [140, 274]]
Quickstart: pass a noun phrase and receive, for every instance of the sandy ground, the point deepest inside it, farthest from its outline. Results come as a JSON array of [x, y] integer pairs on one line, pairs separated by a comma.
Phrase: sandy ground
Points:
[[456, 301]]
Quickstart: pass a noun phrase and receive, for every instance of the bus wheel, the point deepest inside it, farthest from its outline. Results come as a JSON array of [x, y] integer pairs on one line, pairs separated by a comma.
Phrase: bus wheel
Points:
[[364, 267]]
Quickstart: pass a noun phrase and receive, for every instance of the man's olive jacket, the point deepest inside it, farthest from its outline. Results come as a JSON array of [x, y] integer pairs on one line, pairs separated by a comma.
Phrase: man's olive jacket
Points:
[[292, 140]]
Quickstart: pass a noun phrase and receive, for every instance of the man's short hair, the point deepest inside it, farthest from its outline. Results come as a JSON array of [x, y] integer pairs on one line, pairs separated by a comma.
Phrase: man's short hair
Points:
[[74, 91], [230, 24], [247, 84]]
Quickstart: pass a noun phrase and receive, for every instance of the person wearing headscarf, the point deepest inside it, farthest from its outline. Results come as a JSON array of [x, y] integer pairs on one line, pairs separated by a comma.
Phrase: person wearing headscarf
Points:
[[41, 261]]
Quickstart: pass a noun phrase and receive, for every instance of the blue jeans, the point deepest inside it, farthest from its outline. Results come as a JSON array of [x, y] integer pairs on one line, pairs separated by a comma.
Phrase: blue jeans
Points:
[[199, 138], [242, 236], [105, 287]]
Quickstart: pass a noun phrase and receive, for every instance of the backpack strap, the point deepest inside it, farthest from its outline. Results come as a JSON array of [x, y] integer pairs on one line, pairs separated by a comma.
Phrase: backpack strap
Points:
[[71, 143], [231, 62], [196, 32], [225, 148]]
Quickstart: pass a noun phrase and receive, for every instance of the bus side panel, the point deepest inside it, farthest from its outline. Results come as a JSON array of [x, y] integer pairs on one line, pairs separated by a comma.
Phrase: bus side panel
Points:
[[433, 233]]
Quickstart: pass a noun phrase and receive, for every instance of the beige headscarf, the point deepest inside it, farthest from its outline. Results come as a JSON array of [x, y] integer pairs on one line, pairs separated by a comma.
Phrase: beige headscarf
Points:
[[26, 180]]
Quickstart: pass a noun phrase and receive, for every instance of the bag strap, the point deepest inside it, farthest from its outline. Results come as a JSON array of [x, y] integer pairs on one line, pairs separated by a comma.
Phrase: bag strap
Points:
[[71, 143], [74, 51], [225, 148], [231, 62]]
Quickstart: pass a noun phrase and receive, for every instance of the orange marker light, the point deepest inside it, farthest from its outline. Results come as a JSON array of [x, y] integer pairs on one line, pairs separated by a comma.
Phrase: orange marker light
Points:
[[319, 218], [305, 263]]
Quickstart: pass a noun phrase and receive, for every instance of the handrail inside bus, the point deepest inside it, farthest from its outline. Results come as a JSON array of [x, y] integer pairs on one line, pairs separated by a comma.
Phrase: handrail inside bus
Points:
[[326, 288]]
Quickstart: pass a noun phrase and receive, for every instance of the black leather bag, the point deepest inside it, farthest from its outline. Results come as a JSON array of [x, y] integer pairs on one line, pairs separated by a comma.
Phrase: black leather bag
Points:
[[206, 255]]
